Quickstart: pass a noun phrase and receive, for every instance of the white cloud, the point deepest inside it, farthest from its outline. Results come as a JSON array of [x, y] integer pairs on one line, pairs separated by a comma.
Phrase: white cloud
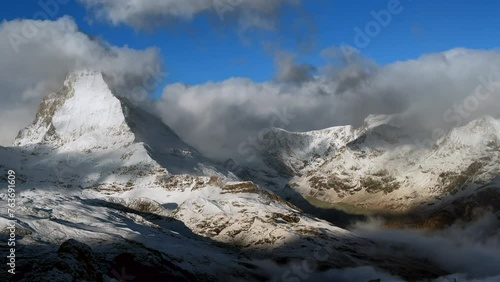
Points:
[[469, 251], [289, 70], [217, 117], [35, 63], [142, 14]]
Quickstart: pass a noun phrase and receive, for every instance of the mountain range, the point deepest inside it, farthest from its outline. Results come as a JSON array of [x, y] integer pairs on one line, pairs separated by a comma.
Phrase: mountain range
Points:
[[107, 192]]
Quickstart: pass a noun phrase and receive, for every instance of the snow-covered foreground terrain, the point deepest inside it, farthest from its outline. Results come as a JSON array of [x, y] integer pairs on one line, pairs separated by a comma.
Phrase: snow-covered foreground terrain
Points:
[[106, 192]]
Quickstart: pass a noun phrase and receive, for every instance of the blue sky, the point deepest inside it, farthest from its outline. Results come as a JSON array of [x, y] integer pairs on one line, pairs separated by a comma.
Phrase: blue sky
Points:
[[199, 51]]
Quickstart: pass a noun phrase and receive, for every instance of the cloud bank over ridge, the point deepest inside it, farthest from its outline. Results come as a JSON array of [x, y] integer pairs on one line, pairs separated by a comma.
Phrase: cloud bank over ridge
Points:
[[430, 94]]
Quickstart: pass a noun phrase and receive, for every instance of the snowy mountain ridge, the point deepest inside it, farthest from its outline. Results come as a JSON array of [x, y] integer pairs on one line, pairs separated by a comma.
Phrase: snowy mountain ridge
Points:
[[94, 169], [380, 166]]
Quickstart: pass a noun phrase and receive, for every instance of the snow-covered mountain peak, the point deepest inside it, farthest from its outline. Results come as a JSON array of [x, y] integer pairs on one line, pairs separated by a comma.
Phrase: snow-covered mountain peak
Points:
[[92, 109], [485, 123], [85, 123], [83, 107], [477, 132]]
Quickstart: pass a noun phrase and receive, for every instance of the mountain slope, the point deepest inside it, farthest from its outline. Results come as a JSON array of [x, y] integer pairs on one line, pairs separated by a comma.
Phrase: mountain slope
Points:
[[380, 167], [94, 169]]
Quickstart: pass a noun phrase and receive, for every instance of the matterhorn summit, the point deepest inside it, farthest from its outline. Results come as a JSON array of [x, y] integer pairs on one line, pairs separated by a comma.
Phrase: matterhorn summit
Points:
[[83, 108], [86, 123]]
